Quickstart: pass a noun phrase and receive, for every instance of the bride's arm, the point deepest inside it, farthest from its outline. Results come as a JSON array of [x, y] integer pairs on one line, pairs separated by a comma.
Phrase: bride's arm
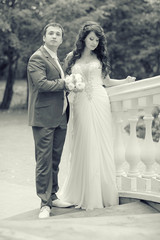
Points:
[[66, 60], [108, 82]]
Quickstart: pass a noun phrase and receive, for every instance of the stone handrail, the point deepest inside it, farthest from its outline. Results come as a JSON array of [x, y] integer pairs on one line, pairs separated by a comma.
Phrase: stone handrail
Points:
[[137, 161]]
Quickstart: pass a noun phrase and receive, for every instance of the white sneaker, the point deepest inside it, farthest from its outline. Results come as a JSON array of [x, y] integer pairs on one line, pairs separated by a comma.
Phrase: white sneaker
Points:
[[45, 212]]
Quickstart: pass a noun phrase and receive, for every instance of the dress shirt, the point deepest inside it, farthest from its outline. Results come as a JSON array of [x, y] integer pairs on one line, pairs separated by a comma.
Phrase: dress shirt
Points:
[[54, 55]]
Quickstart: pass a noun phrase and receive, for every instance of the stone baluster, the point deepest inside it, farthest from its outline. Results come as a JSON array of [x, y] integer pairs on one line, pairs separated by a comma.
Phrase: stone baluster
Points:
[[156, 102], [132, 154], [135, 97], [119, 149], [157, 148], [148, 147], [132, 149]]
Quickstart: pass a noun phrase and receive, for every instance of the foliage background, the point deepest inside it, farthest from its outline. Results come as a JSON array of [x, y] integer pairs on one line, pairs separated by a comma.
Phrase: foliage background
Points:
[[132, 29]]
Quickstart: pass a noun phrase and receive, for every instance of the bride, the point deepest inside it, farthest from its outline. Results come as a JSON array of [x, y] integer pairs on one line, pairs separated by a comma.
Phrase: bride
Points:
[[91, 180]]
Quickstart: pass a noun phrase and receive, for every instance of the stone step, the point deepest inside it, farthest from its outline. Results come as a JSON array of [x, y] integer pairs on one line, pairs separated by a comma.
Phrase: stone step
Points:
[[135, 220], [124, 227], [133, 208]]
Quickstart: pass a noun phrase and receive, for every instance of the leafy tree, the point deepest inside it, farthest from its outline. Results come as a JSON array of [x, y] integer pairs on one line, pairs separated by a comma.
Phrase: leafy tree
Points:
[[132, 34], [18, 21], [132, 30]]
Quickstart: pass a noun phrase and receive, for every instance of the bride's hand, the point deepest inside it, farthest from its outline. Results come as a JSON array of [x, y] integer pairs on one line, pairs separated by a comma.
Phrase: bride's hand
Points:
[[130, 79]]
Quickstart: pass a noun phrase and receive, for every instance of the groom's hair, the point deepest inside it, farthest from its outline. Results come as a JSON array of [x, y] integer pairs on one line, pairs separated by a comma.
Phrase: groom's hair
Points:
[[53, 24]]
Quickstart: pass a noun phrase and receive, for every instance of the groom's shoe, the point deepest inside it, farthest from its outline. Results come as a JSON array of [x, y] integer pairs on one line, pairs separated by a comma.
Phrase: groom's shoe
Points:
[[61, 204], [45, 212]]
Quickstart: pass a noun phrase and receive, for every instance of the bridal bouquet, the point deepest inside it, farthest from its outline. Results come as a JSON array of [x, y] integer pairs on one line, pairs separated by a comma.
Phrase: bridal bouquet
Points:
[[74, 82]]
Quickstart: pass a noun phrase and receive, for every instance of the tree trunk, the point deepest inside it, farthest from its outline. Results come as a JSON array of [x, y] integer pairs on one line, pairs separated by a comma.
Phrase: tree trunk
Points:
[[7, 98]]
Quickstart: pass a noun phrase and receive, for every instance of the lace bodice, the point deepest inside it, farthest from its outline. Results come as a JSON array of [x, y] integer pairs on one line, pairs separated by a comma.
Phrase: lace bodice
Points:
[[91, 73]]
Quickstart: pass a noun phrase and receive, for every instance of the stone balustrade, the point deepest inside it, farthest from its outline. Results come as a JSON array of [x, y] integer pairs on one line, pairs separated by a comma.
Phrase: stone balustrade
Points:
[[137, 160]]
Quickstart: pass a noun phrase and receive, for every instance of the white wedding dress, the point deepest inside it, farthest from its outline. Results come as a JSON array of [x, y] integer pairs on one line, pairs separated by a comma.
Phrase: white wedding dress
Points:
[[90, 181]]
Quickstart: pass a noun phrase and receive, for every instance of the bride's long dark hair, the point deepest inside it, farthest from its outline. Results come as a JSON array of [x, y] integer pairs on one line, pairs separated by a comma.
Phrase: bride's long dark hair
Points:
[[100, 51]]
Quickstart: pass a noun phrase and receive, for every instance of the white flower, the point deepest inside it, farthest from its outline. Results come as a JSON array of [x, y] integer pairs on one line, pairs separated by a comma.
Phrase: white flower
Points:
[[70, 86], [80, 85], [69, 82], [78, 77], [74, 82], [68, 79]]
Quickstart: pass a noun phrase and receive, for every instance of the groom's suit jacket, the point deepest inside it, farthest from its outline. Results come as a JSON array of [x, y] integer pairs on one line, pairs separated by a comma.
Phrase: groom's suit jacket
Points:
[[46, 91]]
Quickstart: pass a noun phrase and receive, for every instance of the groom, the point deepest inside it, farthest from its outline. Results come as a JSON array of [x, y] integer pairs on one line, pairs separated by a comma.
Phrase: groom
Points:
[[48, 112]]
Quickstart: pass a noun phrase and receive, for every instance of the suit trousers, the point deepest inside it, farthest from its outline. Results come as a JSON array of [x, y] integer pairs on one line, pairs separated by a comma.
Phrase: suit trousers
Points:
[[48, 150]]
